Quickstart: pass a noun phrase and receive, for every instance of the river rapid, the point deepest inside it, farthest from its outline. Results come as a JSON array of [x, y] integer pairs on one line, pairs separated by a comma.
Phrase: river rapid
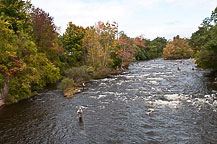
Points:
[[152, 102]]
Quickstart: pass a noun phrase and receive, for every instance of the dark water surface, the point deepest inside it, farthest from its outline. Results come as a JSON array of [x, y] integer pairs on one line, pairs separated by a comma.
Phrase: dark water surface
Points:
[[153, 102]]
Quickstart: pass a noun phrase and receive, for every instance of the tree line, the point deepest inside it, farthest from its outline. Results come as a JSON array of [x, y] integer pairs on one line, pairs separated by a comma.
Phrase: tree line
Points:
[[33, 53], [202, 45], [204, 42]]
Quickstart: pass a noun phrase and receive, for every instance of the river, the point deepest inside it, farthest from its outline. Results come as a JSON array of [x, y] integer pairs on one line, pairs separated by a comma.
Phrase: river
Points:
[[151, 102]]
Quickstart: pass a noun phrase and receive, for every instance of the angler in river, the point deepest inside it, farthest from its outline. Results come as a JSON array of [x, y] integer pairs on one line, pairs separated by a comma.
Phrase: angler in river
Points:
[[80, 113], [152, 102]]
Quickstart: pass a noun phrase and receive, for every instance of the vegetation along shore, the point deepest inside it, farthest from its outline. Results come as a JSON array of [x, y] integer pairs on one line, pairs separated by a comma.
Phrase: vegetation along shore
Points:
[[33, 53]]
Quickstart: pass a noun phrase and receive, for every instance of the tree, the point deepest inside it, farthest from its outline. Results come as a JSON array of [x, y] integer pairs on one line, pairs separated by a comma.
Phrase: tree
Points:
[[17, 14], [10, 63], [45, 35], [107, 38], [141, 50], [204, 42], [23, 68], [92, 46], [178, 48], [100, 44], [148, 49], [127, 51], [72, 43], [159, 43]]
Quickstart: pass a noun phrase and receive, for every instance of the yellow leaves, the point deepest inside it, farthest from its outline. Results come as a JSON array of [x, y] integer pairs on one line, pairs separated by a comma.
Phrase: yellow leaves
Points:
[[11, 54], [23, 66], [100, 42], [178, 48], [3, 68]]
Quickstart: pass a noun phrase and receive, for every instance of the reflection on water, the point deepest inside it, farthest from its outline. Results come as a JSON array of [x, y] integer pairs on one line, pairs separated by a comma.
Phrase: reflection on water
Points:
[[153, 102]]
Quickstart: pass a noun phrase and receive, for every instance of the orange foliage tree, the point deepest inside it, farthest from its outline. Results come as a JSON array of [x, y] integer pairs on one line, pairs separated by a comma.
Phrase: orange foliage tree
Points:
[[177, 49], [127, 51]]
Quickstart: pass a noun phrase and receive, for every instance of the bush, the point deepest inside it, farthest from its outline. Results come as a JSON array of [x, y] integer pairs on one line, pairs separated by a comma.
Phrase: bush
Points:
[[66, 83], [82, 73], [102, 73]]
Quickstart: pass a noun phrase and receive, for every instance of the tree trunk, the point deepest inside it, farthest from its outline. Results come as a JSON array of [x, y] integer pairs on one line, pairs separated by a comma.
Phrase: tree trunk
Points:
[[5, 89]]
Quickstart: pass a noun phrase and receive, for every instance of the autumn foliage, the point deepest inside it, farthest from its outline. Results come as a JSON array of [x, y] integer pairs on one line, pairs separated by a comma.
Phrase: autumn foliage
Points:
[[33, 53], [99, 43], [126, 52], [26, 52], [177, 49]]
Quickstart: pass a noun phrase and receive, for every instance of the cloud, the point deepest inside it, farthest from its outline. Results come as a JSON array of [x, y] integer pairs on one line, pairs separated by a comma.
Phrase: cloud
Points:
[[205, 4], [175, 22], [83, 13], [135, 17]]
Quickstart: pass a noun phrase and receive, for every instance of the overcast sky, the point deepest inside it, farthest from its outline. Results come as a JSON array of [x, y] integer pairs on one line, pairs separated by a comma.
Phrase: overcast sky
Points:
[[152, 18]]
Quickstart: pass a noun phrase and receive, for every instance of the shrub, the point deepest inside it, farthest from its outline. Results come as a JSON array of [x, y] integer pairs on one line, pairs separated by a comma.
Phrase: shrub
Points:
[[101, 73], [79, 73], [66, 83]]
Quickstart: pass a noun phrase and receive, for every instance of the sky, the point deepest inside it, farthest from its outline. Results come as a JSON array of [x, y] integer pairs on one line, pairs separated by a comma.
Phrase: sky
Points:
[[150, 18]]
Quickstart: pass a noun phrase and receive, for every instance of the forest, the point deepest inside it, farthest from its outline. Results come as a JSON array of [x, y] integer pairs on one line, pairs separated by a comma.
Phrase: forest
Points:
[[33, 54]]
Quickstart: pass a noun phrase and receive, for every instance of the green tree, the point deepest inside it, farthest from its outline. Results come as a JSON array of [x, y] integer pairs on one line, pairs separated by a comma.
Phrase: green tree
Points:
[[23, 68], [149, 49], [204, 42], [158, 43], [10, 63], [72, 43], [17, 14]]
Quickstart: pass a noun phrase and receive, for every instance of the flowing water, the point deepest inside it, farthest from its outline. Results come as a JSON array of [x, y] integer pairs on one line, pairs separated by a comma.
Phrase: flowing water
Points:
[[152, 102]]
